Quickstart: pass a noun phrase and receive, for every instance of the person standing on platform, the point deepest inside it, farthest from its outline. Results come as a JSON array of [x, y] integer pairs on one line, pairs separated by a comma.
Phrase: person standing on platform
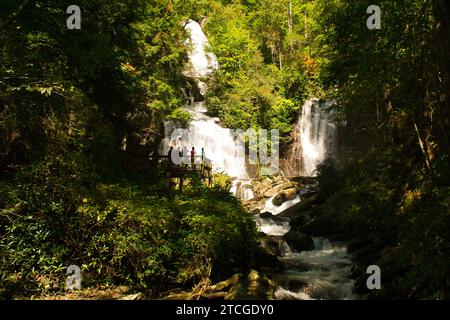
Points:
[[169, 158], [193, 158], [203, 158]]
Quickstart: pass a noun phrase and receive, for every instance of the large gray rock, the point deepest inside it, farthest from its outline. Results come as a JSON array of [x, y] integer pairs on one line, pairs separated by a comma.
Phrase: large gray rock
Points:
[[300, 220], [319, 226], [291, 212], [299, 241], [279, 199]]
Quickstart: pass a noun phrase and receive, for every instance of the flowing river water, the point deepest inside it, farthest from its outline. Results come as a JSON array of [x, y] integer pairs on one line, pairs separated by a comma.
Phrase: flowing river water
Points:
[[323, 273]]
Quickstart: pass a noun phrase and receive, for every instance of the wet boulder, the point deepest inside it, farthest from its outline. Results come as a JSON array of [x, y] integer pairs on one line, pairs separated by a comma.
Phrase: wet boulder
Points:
[[299, 241], [299, 209], [301, 220], [286, 195], [272, 245], [319, 226], [266, 215], [279, 199], [266, 261]]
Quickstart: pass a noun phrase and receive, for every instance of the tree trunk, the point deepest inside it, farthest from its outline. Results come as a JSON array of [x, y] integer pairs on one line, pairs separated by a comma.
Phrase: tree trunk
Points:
[[281, 61], [290, 26], [306, 25], [422, 147], [442, 14]]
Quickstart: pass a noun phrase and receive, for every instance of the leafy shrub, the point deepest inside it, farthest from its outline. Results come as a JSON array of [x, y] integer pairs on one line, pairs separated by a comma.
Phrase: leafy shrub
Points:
[[329, 177], [57, 213]]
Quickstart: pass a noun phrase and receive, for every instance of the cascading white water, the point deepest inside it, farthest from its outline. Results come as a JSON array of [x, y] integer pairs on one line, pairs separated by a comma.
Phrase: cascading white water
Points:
[[271, 227], [276, 210], [314, 139], [317, 135], [322, 273], [327, 275], [202, 62], [222, 147], [242, 189]]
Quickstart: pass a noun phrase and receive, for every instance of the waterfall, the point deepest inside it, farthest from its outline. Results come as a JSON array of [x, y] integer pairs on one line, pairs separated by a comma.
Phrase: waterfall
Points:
[[222, 147], [317, 135], [202, 62], [242, 189], [314, 139]]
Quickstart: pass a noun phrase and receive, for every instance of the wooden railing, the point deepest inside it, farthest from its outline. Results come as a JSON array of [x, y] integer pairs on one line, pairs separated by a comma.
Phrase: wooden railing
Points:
[[196, 164], [141, 162]]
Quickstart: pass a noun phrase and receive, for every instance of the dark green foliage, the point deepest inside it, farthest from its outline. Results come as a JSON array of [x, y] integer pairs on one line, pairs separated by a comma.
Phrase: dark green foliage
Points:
[[261, 82], [68, 98], [395, 180], [329, 178], [57, 213]]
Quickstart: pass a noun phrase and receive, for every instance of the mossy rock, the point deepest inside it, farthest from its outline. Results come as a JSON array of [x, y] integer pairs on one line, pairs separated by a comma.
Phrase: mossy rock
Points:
[[255, 286]]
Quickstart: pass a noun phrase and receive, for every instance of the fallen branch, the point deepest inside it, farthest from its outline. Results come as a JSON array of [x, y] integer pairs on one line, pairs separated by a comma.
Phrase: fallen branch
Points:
[[422, 147]]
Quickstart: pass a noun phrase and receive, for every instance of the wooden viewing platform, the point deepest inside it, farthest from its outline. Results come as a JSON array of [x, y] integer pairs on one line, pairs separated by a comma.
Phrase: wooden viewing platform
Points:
[[200, 166], [143, 162]]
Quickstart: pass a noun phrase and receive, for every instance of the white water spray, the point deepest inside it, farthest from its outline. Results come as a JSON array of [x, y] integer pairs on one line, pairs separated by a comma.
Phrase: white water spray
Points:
[[322, 273], [317, 135], [314, 139], [202, 61], [224, 149], [276, 210]]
